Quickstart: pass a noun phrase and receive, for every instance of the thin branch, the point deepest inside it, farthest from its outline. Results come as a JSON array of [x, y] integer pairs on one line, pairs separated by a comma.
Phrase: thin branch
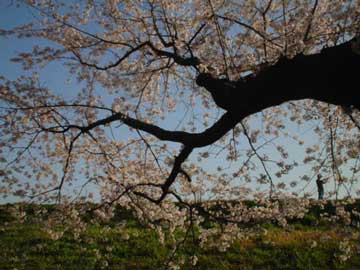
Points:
[[335, 167], [66, 166], [126, 55], [259, 157], [183, 61], [184, 173], [196, 33], [77, 28], [151, 151], [348, 112], [157, 31], [308, 29], [18, 155], [250, 28], [220, 37]]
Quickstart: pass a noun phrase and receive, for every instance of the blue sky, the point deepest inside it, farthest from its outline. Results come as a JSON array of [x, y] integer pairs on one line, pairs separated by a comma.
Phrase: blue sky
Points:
[[54, 76]]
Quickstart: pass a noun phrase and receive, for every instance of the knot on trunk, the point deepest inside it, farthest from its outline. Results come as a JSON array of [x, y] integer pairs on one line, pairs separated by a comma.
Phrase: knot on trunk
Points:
[[222, 90]]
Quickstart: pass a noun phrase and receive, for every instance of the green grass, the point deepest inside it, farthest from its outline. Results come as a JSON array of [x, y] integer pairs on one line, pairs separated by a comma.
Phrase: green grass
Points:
[[303, 245]]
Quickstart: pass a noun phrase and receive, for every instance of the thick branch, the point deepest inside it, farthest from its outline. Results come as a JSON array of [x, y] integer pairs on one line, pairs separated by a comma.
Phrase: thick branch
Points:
[[185, 152], [329, 76], [207, 137]]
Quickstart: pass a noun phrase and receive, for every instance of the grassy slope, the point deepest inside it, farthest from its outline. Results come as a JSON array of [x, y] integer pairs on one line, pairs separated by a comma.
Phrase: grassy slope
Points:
[[26, 246]]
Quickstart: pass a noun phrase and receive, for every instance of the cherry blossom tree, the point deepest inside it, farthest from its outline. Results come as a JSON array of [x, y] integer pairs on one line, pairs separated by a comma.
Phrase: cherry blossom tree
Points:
[[164, 86]]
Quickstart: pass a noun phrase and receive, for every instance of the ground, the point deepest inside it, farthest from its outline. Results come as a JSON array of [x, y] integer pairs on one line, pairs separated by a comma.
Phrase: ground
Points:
[[124, 243]]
